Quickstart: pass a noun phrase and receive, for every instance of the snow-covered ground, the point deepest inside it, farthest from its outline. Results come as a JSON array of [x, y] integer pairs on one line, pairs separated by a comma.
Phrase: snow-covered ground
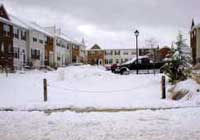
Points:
[[83, 87], [88, 88], [177, 124]]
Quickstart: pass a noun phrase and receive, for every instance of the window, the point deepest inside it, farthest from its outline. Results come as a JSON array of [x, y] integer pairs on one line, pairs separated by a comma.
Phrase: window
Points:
[[35, 54], [106, 61], [41, 41], [16, 33], [125, 53], [110, 61], [133, 53], [6, 30], [109, 52], [117, 61], [117, 52], [16, 53], [63, 46], [58, 43], [23, 35], [34, 39]]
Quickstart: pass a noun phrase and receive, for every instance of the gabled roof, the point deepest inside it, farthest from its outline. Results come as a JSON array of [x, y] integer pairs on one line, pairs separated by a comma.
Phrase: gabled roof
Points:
[[195, 27], [6, 13], [96, 47]]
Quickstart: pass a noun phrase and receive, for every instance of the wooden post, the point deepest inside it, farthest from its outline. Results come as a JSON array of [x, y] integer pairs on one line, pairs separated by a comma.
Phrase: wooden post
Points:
[[163, 85], [45, 89]]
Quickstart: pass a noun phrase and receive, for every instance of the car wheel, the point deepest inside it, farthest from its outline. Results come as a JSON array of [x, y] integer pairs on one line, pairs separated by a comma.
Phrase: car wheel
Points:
[[124, 72]]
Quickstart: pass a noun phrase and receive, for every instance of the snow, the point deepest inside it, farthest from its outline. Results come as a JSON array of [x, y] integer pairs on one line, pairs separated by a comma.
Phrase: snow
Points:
[[178, 124], [134, 59], [192, 88], [17, 21], [83, 87]]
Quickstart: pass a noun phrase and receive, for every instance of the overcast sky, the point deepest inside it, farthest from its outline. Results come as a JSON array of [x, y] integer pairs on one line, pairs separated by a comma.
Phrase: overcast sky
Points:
[[111, 23]]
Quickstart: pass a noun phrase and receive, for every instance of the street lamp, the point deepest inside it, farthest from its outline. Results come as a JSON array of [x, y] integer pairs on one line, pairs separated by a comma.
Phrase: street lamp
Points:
[[136, 35]]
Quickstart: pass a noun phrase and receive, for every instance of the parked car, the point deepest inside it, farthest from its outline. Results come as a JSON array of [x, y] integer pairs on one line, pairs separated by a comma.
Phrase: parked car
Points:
[[108, 67], [144, 63], [113, 67]]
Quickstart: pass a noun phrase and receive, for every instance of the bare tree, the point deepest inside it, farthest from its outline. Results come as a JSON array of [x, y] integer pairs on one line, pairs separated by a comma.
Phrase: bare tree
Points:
[[153, 44]]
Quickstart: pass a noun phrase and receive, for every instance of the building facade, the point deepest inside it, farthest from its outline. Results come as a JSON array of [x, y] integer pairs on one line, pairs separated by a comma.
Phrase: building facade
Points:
[[98, 56], [6, 40], [26, 43], [195, 42], [117, 56]]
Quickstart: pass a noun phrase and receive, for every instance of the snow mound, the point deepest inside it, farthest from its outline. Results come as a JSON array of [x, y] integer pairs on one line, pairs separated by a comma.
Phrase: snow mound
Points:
[[187, 90]]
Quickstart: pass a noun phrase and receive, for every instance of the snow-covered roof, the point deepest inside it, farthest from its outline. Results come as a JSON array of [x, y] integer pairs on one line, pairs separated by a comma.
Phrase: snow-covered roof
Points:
[[28, 25], [17, 21], [37, 27], [5, 20], [65, 37]]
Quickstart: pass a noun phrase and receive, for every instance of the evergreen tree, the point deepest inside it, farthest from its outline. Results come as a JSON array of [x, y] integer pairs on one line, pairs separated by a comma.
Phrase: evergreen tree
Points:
[[178, 68]]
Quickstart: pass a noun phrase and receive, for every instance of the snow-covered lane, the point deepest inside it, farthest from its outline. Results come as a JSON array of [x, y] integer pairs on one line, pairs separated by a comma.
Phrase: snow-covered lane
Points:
[[139, 125]]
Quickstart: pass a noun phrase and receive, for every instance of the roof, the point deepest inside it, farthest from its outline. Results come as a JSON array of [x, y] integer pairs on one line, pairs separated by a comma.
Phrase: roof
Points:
[[6, 21], [65, 37], [17, 22], [37, 27], [96, 47], [2, 6], [28, 24], [195, 26]]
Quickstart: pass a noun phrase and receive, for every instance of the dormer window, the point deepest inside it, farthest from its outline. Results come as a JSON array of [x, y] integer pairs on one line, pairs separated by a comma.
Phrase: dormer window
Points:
[[6, 29]]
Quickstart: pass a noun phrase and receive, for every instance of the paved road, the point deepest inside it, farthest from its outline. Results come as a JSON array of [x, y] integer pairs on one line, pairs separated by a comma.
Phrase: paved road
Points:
[[175, 124]]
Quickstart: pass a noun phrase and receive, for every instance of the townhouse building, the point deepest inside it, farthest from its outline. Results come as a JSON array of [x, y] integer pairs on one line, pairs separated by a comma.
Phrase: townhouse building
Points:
[[79, 53], [195, 42], [98, 56], [117, 56], [27, 43], [62, 47], [37, 42], [6, 40], [20, 42]]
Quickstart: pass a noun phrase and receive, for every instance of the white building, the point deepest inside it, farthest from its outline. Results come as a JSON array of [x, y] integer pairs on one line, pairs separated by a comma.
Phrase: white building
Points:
[[62, 47], [117, 56], [20, 42], [37, 42]]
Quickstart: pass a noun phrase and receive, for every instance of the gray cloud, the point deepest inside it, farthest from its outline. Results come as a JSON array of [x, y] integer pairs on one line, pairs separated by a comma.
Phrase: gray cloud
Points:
[[112, 22]]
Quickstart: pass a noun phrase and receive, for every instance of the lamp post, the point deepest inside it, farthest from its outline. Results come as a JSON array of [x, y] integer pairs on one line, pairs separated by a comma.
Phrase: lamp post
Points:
[[136, 35]]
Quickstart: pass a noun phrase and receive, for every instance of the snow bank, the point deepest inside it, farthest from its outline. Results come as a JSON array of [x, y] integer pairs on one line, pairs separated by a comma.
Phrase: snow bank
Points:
[[189, 90], [82, 87]]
